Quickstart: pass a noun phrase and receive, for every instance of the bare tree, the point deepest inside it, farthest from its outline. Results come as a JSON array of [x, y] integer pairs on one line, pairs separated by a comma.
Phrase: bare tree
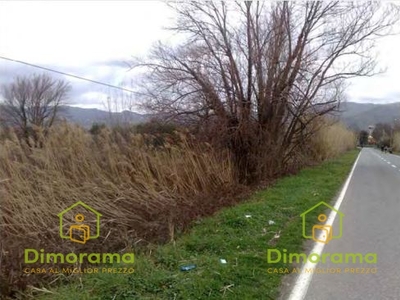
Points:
[[33, 101], [118, 103], [262, 72]]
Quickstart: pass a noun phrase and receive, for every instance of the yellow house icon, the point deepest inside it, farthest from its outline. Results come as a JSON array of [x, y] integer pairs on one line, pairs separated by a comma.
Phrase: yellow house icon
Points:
[[80, 232], [322, 232]]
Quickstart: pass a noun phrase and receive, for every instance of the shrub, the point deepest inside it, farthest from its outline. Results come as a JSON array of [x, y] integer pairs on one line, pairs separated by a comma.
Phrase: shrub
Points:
[[97, 128]]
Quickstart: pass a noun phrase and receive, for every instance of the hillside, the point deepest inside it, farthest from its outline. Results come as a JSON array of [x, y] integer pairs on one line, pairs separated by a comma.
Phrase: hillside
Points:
[[354, 115], [86, 117], [360, 115]]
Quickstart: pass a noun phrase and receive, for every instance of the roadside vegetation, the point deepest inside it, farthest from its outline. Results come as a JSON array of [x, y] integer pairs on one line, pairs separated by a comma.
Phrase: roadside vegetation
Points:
[[244, 98], [148, 187], [240, 235], [396, 142], [332, 140], [143, 191], [388, 135]]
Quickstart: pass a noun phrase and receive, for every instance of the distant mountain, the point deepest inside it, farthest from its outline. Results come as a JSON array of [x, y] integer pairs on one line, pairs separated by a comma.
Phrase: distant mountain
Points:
[[356, 116], [87, 117], [360, 115]]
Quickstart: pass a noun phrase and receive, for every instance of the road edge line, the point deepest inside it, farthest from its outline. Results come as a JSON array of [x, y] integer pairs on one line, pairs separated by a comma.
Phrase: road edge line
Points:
[[302, 283]]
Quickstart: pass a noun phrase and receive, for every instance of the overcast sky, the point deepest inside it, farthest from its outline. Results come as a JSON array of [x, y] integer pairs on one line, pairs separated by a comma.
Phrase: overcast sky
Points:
[[92, 39]]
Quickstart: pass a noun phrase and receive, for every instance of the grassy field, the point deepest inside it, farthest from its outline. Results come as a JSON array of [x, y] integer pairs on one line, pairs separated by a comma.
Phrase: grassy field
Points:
[[241, 235]]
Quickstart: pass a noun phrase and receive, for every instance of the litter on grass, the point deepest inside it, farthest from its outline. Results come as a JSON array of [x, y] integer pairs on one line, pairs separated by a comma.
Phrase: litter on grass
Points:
[[188, 267], [270, 222], [223, 261]]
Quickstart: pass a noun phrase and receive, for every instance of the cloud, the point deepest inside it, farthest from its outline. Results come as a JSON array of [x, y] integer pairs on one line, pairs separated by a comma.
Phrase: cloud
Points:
[[86, 38], [113, 72], [95, 40], [121, 63]]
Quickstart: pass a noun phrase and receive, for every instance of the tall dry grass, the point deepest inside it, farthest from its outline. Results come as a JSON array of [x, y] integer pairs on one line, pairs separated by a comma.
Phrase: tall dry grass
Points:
[[147, 187], [396, 142], [331, 140], [143, 192]]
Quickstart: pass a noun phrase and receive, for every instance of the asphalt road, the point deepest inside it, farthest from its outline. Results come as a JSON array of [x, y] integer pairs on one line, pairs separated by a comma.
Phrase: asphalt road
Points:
[[371, 225]]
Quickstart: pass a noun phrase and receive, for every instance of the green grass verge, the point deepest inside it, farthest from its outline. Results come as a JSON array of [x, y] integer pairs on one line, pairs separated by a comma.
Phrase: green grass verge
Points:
[[242, 241]]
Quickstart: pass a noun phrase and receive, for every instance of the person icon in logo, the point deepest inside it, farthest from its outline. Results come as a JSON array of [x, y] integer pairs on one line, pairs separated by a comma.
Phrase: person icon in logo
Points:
[[321, 232], [79, 233]]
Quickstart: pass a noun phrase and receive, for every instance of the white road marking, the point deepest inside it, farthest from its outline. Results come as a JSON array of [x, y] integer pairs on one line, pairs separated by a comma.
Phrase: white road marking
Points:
[[388, 162], [303, 281]]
